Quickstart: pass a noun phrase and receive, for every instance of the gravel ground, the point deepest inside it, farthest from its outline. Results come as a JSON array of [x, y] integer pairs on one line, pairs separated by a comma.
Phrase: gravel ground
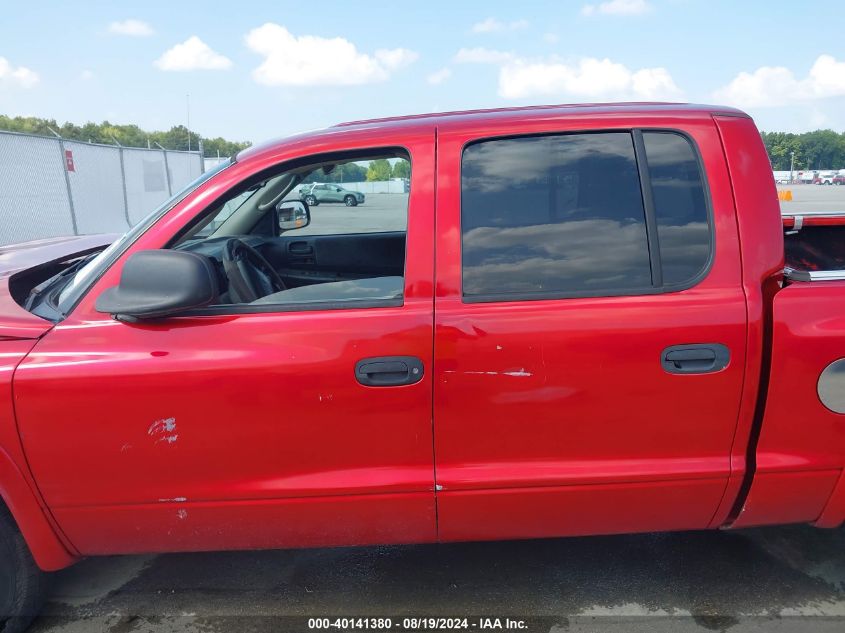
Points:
[[774, 579]]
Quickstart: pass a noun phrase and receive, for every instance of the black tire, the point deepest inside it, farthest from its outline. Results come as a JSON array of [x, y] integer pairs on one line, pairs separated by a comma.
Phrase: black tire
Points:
[[311, 201], [350, 201], [22, 584]]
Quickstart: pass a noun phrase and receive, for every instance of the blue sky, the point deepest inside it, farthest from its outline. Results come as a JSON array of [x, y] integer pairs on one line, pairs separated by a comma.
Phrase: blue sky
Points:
[[256, 70]]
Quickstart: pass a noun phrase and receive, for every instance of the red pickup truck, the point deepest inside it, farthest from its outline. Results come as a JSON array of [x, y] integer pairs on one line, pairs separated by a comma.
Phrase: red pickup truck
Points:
[[581, 320]]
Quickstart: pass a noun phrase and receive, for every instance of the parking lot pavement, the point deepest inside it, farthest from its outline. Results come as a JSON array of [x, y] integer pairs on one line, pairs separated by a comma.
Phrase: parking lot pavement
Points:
[[773, 579], [379, 212], [813, 198]]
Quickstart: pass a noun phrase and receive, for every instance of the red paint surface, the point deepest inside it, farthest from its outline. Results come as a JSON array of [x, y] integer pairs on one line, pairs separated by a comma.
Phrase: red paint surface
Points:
[[789, 220], [757, 216], [833, 514], [802, 441], [18, 490], [538, 512], [796, 497]]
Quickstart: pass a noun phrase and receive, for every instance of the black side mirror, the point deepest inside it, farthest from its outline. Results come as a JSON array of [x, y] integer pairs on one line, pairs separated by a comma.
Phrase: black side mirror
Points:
[[292, 214], [161, 283]]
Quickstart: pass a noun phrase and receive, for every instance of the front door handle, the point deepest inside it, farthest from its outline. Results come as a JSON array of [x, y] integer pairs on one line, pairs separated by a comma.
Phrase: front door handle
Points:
[[300, 248], [699, 358], [389, 371]]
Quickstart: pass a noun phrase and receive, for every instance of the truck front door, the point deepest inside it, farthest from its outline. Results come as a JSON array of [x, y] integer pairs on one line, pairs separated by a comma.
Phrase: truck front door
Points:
[[250, 425]]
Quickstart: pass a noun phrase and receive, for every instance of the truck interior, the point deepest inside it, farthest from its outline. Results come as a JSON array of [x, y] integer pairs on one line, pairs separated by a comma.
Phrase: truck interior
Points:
[[340, 254]]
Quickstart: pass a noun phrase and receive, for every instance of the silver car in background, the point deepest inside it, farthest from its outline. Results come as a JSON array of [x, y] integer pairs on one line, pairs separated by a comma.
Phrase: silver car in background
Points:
[[315, 193]]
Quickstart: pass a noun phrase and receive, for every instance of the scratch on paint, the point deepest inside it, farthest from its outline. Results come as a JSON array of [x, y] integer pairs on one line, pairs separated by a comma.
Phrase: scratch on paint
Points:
[[517, 373], [326, 398], [164, 430], [174, 499], [182, 514]]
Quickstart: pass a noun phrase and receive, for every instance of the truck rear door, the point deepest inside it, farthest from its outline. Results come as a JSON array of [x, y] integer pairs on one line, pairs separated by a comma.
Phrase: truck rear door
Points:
[[590, 326]]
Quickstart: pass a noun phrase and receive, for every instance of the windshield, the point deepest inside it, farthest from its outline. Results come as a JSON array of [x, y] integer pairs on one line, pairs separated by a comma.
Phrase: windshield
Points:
[[82, 279]]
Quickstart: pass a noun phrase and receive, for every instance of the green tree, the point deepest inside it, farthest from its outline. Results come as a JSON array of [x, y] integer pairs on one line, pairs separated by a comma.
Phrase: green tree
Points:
[[379, 169], [821, 149], [350, 172], [175, 138], [345, 172], [402, 169]]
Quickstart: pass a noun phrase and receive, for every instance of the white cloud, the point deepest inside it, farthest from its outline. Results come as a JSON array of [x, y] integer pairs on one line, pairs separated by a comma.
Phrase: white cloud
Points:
[[481, 55], [492, 25], [617, 7], [439, 76], [394, 58], [192, 54], [309, 60], [588, 78], [551, 38], [778, 86], [20, 76], [132, 28], [86, 75]]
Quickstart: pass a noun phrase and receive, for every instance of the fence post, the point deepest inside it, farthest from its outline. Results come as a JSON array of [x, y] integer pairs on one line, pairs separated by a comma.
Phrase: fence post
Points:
[[125, 196], [167, 173], [166, 169], [67, 182]]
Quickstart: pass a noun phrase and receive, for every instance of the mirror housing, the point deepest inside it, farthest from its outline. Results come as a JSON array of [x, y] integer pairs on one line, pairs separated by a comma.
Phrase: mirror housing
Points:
[[290, 215], [160, 283]]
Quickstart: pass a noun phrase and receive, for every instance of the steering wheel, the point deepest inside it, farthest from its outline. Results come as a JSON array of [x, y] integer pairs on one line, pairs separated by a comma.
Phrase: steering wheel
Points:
[[250, 275]]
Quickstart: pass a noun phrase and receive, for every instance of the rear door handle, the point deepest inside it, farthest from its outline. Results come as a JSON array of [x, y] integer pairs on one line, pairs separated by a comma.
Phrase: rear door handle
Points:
[[389, 371], [699, 358]]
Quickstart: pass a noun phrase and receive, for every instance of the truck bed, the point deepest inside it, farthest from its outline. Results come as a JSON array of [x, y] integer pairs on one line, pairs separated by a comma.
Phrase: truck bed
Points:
[[815, 245]]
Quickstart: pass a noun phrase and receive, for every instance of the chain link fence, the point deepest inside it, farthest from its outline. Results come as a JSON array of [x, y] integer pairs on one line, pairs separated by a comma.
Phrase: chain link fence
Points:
[[51, 187]]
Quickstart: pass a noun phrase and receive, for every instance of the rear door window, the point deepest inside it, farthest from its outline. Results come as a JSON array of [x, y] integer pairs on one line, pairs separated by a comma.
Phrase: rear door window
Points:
[[680, 206], [559, 215], [588, 214]]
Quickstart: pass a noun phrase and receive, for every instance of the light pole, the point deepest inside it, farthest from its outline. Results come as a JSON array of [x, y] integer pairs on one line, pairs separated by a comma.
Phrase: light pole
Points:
[[791, 166]]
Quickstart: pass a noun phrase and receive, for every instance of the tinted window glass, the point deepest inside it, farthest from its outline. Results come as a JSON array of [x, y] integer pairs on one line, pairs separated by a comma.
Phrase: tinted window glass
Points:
[[679, 205], [553, 214]]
